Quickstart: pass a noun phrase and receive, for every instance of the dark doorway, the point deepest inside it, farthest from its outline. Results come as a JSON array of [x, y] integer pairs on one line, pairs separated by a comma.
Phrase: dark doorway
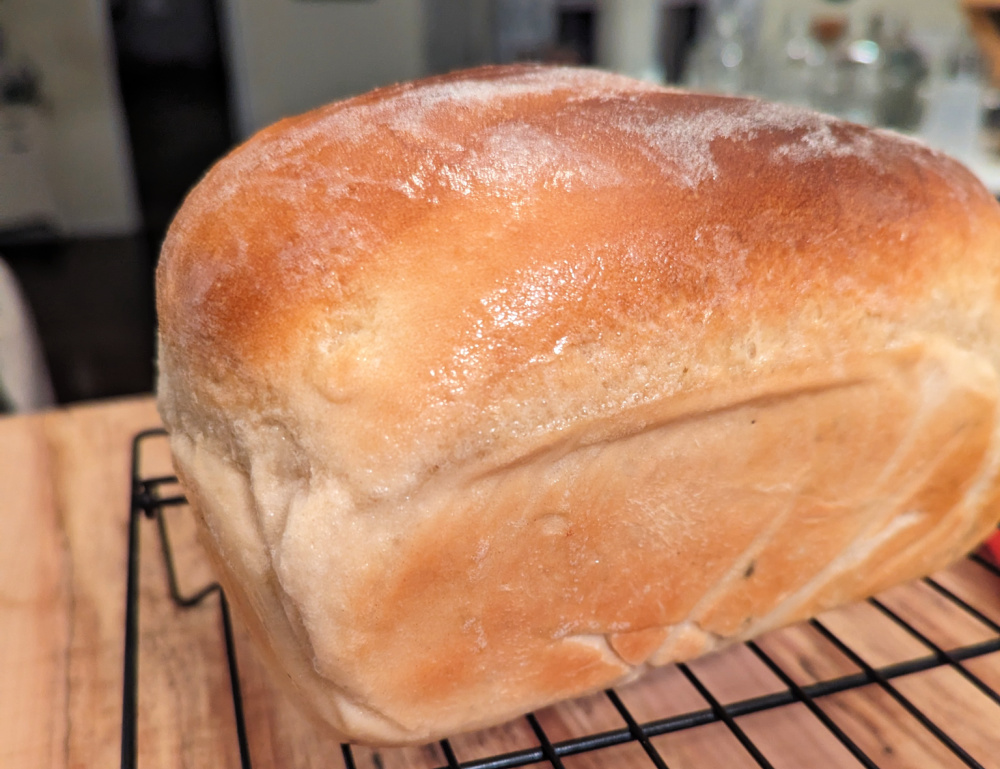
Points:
[[175, 92]]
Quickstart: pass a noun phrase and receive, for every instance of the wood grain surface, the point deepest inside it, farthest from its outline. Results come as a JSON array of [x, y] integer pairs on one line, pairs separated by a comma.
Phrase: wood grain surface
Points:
[[64, 503]]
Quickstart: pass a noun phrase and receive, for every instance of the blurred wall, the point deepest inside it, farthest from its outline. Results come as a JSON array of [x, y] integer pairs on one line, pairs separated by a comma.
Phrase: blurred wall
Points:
[[287, 56], [457, 34], [87, 155]]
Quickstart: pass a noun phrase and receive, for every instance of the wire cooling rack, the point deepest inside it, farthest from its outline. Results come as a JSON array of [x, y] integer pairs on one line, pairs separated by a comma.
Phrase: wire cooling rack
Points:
[[152, 497]]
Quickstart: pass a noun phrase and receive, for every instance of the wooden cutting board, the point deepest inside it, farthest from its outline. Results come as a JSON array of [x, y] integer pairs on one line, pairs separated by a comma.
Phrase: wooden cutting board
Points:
[[64, 498]]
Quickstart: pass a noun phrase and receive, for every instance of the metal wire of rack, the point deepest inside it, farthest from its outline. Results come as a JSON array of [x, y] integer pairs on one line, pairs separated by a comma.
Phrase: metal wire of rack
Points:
[[148, 504]]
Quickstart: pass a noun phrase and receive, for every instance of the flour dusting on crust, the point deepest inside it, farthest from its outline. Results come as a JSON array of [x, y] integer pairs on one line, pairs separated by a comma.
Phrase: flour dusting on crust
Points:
[[683, 140]]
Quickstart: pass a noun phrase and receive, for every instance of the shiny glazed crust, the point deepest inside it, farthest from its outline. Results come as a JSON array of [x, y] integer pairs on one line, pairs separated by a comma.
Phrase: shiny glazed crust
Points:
[[499, 387]]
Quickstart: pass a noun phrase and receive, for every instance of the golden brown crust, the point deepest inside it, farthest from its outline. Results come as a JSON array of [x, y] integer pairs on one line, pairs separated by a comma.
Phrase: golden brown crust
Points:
[[523, 378]]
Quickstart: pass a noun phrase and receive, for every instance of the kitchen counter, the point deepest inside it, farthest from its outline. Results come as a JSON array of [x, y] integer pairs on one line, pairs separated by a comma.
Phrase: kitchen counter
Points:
[[64, 502]]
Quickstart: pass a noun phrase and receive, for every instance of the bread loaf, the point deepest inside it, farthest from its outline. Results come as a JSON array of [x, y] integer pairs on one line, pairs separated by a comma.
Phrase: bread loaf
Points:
[[499, 387]]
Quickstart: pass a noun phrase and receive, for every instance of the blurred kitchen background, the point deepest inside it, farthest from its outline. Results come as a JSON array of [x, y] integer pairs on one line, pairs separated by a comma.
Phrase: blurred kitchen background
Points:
[[111, 109]]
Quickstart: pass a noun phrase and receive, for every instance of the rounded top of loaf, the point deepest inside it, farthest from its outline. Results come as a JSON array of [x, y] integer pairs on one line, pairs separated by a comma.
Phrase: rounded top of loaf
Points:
[[447, 268]]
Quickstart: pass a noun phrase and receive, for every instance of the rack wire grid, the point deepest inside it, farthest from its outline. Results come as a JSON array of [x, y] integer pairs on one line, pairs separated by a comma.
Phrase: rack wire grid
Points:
[[149, 503]]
